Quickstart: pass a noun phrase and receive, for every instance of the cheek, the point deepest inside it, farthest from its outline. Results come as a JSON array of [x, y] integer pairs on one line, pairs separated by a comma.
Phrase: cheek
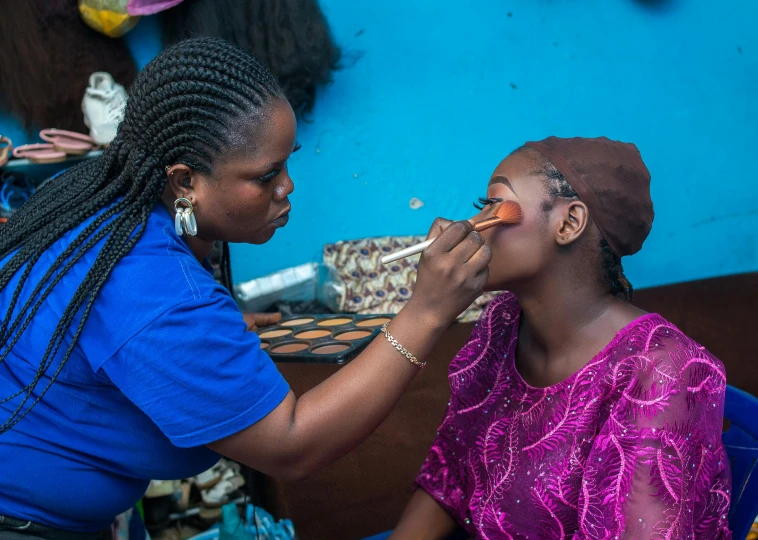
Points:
[[503, 240], [509, 237], [516, 249], [247, 202]]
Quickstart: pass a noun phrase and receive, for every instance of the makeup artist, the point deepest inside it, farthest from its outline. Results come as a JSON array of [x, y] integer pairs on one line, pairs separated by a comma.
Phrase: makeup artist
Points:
[[122, 360]]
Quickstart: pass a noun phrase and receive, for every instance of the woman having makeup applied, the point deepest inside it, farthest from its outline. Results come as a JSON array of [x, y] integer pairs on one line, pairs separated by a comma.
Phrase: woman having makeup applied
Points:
[[121, 358], [573, 414]]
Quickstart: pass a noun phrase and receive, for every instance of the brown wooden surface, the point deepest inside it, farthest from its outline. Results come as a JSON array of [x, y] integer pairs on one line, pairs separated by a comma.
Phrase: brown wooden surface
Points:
[[718, 313], [365, 492]]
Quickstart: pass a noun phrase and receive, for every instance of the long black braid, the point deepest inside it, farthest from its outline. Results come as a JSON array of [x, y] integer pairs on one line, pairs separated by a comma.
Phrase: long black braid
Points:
[[612, 270], [179, 111]]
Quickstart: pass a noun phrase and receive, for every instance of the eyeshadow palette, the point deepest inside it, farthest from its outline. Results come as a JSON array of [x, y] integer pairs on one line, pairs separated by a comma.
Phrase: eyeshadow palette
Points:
[[321, 339]]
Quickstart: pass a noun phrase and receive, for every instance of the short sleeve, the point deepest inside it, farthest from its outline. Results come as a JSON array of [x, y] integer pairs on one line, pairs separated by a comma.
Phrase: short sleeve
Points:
[[197, 372], [658, 469]]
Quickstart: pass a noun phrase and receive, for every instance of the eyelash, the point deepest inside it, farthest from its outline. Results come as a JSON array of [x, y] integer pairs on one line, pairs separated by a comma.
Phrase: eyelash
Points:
[[269, 176], [273, 174], [481, 202]]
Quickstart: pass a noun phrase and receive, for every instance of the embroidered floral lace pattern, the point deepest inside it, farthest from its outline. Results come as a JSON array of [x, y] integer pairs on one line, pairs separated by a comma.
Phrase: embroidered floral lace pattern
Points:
[[628, 447]]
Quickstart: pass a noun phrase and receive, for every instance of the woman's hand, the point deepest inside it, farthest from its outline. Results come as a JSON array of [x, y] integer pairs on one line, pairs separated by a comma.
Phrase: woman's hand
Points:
[[452, 271], [424, 519], [261, 320], [304, 434]]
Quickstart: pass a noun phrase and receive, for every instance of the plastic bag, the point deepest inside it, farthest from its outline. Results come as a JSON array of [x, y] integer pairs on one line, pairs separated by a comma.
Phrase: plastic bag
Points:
[[231, 527], [109, 17], [258, 524], [263, 525]]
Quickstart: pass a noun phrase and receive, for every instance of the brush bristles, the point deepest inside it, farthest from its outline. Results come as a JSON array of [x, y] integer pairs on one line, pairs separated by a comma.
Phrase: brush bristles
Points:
[[509, 212]]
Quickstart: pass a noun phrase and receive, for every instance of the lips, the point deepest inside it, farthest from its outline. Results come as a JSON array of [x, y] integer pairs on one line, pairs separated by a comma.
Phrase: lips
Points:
[[282, 220]]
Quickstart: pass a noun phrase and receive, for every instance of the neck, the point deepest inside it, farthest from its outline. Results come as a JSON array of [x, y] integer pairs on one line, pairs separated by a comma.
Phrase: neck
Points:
[[200, 248], [558, 316]]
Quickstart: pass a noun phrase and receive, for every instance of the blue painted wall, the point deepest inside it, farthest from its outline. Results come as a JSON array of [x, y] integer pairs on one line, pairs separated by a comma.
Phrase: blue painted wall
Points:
[[430, 108], [434, 95]]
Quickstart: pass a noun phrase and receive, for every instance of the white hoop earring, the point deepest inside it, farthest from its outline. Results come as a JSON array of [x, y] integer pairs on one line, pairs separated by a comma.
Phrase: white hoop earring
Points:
[[184, 221]]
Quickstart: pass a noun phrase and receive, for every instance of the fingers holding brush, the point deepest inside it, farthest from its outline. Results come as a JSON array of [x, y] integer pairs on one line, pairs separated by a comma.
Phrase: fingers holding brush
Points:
[[460, 240], [480, 256], [452, 271], [472, 250], [260, 320], [451, 236], [507, 213], [474, 256], [479, 265], [439, 225]]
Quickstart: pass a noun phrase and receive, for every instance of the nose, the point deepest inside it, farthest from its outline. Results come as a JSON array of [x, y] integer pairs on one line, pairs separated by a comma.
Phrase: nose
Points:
[[284, 188]]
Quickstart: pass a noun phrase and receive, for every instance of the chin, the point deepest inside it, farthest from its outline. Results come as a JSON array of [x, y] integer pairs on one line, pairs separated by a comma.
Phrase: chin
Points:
[[262, 237]]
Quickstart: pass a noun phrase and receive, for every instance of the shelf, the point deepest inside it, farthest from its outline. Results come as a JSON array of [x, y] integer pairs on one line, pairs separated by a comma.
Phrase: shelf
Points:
[[40, 172]]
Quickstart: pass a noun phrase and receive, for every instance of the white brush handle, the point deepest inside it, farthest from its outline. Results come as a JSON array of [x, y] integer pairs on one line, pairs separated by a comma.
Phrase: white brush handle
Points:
[[407, 252]]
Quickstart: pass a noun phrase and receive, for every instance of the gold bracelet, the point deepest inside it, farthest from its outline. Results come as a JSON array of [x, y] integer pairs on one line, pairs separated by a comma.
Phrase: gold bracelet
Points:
[[400, 348]]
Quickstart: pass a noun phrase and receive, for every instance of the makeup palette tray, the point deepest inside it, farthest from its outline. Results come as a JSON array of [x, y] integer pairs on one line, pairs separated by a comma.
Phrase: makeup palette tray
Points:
[[321, 339]]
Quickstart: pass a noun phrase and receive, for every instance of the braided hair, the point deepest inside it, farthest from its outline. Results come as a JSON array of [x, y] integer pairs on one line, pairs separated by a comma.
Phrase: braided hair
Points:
[[612, 270], [179, 110]]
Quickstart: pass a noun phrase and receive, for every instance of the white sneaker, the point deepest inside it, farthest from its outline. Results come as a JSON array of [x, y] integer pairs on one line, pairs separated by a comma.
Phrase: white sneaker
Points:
[[103, 107], [161, 488]]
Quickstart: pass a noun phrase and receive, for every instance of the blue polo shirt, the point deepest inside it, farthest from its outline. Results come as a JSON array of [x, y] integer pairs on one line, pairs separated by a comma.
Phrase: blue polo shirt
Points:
[[164, 366]]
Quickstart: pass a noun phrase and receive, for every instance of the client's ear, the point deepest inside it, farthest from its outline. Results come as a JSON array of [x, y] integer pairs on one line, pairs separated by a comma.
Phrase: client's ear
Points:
[[573, 220]]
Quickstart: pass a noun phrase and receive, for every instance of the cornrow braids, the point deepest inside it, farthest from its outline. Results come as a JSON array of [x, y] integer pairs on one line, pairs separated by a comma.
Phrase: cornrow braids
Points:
[[220, 259], [179, 111], [612, 270], [226, 268]]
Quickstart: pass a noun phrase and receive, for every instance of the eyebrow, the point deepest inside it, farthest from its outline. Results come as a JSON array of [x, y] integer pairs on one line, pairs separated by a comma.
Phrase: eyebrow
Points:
[[274, 164], [502, 180]]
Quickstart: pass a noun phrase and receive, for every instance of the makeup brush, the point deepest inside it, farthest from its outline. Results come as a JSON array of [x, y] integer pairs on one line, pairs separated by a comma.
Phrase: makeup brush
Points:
[[507, 213]]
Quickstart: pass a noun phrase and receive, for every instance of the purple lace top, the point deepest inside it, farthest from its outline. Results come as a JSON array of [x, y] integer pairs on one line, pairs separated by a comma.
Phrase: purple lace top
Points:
[[628, 447]]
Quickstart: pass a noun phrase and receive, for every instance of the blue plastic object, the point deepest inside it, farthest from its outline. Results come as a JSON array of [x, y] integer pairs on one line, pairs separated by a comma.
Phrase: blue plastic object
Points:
[[263, 526], [232, 527], [382, 536], [15, 190], [741, 442]]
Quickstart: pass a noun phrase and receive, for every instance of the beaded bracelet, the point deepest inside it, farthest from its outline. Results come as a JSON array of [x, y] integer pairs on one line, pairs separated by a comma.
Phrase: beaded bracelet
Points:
[[400, 348]]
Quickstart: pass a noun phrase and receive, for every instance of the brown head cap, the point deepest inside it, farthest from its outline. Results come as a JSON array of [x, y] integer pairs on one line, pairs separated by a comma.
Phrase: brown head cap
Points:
[[611, 179]]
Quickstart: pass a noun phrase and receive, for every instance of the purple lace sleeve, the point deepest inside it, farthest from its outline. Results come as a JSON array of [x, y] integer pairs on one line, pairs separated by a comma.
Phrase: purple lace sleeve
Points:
[[441, 475], [656, 468]]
